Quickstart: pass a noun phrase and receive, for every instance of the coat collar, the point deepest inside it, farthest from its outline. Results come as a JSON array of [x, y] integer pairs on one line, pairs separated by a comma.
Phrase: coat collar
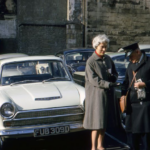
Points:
[[94, 55], [139, 65]]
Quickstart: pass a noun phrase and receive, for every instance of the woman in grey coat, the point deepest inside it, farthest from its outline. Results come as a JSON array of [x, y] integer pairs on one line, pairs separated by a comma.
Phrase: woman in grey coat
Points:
[[100, 76]]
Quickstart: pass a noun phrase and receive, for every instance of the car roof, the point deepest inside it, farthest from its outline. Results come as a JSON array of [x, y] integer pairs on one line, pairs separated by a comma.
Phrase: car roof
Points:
[[75, 50], [144, 46], [114, 54], [12, 55], [29, 58]]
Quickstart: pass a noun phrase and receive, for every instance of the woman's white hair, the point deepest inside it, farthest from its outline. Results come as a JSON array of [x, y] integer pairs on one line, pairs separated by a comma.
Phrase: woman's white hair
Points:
[[100, 38]]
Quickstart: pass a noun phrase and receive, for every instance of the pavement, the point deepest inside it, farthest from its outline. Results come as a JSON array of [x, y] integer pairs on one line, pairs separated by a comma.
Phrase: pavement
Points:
[[72, 141], [112, 143]]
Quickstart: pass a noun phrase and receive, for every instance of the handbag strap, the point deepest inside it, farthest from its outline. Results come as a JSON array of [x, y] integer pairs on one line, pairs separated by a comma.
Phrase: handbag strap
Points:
[[134, 74], [125, 100]]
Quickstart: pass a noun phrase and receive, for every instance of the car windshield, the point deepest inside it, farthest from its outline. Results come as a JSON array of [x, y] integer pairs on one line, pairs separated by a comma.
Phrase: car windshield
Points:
[[34, 71], [77, 57]]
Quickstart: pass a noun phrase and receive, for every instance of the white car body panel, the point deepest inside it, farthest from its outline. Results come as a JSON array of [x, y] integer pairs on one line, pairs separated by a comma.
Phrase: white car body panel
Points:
[[24, 95]]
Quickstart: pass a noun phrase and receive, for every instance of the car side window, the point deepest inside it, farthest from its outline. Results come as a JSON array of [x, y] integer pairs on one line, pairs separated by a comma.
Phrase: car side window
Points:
[[58, 70], [121, 61], [120, 58]]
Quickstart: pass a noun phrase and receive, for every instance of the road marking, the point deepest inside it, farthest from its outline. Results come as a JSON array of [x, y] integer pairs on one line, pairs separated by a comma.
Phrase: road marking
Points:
[[124, 144]]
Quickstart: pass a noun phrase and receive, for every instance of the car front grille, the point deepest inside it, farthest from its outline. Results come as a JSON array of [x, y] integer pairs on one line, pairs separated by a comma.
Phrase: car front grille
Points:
[[51, 112], [51, 116]]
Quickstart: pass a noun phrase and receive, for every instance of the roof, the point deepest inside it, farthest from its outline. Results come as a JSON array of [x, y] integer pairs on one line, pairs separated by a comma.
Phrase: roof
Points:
[[114, 54], [29, 58], [144, 46], [75, 50], [12, 55]]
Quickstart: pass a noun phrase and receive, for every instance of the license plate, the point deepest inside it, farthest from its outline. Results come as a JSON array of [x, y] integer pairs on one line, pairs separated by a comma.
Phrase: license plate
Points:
[[51, 131]]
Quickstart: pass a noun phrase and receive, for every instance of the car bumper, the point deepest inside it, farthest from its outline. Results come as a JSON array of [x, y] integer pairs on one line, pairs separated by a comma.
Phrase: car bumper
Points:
[[29, 131]]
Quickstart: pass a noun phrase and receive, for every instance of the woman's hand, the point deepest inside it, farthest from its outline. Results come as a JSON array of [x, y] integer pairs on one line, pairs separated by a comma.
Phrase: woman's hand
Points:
[[139, 85]]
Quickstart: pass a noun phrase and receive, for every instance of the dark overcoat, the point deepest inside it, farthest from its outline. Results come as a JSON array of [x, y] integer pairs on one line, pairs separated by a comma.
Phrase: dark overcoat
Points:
[[96, 89], [138, 111]]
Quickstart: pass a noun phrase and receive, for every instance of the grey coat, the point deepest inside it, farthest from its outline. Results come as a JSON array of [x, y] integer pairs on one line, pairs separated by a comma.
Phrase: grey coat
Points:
[[97, 89]]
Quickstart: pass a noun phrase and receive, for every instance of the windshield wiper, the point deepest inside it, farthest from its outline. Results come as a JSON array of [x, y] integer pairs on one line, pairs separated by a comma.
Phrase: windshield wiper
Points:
[[50, 79], [73, 70], [24, 81]]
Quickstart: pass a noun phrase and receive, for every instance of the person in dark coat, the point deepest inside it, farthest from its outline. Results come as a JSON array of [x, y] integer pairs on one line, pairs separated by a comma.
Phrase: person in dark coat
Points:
[[138, 109], [100, 75]]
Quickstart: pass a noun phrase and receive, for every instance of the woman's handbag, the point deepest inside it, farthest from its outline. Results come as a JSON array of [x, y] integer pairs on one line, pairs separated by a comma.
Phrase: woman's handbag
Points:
[[141, 93], [123, 101]]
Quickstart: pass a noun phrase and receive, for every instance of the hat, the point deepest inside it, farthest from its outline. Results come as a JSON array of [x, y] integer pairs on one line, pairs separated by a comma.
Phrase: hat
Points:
[[129, 49]]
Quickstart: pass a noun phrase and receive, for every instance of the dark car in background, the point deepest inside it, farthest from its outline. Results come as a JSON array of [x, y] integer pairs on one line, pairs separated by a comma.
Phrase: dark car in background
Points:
[[75, 59]]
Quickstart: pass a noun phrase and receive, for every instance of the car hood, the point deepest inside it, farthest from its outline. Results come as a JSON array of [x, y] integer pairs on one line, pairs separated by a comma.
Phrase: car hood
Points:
[[43, 95]]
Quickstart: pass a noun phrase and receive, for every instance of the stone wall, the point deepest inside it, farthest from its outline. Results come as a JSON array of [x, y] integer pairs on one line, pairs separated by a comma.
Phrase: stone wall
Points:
[[8, 42], [41, 40], [75, 27], [46, 27], [123, 21], [41, 26], [75, 36]]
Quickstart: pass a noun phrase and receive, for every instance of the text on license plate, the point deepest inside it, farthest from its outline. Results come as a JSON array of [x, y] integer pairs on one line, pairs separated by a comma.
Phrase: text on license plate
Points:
[[51, 130]]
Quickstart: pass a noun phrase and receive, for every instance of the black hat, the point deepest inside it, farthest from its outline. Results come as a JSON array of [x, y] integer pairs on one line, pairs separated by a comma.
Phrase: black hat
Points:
[[129, 49]]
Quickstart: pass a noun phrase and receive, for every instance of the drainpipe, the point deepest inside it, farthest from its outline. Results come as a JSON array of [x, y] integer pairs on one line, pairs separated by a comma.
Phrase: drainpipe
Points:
[[68, 10], [85, 22]]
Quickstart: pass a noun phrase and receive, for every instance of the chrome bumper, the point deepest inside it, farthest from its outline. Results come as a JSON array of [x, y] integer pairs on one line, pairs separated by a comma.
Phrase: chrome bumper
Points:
[[29, 131]]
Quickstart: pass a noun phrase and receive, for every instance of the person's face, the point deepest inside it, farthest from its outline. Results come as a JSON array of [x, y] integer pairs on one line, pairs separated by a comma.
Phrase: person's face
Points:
[[101, 48], [135, 56]]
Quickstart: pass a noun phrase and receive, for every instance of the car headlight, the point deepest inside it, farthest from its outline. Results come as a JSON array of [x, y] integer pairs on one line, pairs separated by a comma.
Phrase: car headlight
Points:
[[7, 110]]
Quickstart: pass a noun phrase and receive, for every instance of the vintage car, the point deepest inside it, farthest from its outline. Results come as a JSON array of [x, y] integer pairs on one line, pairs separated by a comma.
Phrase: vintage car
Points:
[[75, 59], [121, 63], [38, 97], [12, 55]]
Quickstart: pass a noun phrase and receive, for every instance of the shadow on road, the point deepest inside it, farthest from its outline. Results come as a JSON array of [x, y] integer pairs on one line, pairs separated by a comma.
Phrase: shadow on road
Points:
[[72, 141]]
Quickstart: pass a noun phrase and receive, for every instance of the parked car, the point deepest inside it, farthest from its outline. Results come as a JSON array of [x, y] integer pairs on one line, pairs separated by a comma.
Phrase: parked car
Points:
[[121, 63], [38, 97], [12, 55], [75, 59]]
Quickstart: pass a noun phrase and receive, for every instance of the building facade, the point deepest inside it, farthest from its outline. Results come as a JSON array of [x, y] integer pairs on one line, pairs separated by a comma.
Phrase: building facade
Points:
[[43, 27]]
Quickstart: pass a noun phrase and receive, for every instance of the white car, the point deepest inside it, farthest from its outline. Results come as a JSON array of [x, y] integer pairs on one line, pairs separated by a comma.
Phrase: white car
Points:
[[11, 55], [38, 97]]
